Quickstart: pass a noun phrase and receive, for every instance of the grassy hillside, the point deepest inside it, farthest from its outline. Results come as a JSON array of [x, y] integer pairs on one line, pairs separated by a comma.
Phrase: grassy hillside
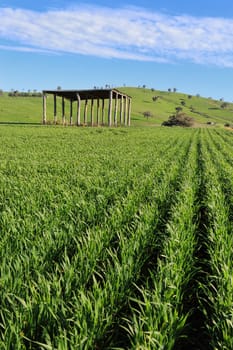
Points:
[[20, 109], [203, 110]]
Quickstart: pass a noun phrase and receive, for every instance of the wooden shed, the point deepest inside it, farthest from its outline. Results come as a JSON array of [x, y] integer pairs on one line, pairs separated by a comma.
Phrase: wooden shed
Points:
[[94, 107]]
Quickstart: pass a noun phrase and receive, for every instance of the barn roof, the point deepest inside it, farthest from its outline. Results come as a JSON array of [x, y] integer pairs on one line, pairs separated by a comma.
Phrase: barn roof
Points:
[[86, 94]]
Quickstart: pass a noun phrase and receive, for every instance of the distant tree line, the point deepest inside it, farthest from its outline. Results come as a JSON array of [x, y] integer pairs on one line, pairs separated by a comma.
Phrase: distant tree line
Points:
[[29, 93]]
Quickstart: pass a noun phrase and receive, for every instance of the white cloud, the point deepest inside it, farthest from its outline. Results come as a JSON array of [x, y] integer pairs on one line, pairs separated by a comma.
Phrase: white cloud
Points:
[[127, 33]]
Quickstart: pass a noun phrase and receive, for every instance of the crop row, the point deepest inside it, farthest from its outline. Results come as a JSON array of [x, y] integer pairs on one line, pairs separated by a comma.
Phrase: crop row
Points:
[[218, 172]]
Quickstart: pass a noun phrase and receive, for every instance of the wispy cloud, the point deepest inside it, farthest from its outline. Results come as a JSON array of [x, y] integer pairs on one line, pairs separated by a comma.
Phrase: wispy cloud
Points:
[[125, 33]]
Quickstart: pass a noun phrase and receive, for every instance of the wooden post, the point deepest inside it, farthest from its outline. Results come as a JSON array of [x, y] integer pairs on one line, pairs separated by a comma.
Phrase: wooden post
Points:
[[97, 112], [115, 109], [121, 109], [92, 107], [44, 109], [63, 110], [85, 112], [78, 109], [125, 111], [55, 108], [103, 116], [129, 111], [110, 109], [71, 112]]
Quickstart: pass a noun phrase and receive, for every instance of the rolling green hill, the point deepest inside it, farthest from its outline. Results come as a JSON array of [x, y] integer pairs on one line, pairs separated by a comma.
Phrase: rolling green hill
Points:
[[202, 110]]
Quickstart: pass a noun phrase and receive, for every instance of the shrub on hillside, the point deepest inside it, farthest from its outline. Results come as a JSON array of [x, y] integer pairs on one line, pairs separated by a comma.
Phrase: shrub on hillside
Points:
[[147, 114], [179, 119]]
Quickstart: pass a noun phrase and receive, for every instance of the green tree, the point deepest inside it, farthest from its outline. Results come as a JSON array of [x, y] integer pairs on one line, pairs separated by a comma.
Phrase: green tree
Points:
[[179, 119], [178, 109], [224, 105], [147, 114]]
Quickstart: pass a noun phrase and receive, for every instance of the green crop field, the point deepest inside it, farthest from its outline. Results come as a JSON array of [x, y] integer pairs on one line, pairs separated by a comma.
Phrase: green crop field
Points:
[[116, 238]]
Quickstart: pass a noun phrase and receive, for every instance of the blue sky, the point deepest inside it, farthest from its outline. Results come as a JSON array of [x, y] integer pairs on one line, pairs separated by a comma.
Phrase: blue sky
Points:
[[161, 44]]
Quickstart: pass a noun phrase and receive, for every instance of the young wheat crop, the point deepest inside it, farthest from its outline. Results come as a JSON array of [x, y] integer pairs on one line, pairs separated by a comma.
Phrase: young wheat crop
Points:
[[100, 238]]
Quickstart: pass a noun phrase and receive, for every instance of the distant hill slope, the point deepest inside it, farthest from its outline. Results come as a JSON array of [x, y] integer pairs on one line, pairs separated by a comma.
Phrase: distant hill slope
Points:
[[203, 110]]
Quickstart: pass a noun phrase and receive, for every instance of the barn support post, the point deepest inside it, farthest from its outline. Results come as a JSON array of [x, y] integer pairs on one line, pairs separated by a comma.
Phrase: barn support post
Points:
[[98, 112], [92, 109], [103, 115], [110, 109], [78, 109], [63, 111], [55, 109], [125, 110], [116, 109], [85, 112], [121, 108], [71, 112], [129, 111], [44, 117]]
